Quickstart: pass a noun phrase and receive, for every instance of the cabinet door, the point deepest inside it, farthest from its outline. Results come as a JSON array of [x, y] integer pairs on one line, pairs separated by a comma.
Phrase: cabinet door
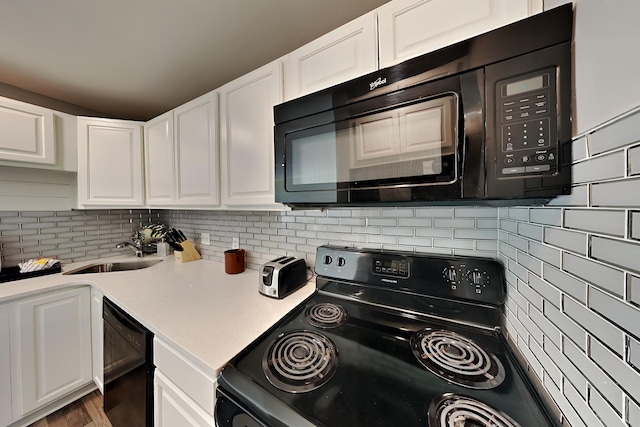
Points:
[[26, 133], [174, 408], [343, 54], [109, 162], [50, 347], [409, 28], [159, 160], [246, 137], [197, 152], [97, 342], [5, 368]]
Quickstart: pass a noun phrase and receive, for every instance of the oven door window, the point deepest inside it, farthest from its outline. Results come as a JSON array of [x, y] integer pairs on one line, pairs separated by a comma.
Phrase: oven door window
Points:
[[411, 143]]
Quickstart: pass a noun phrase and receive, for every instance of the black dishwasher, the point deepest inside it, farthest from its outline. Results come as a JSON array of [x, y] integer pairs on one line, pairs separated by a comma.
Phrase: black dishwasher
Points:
[[128, 369]]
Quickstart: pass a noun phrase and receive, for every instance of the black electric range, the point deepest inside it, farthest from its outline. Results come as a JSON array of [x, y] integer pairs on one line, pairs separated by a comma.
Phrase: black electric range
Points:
[[388, 339]]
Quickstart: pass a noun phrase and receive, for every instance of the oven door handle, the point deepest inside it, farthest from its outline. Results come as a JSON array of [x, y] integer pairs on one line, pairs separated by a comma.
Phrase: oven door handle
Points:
[[257, 400]]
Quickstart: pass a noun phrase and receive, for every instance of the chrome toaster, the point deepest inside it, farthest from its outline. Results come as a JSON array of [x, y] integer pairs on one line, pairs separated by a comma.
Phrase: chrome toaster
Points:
[[281, 276]]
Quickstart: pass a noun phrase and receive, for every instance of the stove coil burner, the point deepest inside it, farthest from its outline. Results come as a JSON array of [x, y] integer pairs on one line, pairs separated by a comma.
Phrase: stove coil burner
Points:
[[326, 315], [454, 410], [457, 359], [300, 361]]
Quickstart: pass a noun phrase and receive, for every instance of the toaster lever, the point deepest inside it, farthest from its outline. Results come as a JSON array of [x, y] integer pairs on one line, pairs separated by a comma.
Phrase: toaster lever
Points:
[[267, 275]]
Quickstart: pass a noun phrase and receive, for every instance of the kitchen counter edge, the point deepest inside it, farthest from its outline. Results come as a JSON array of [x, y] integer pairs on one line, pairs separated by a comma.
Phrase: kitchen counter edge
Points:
[[207, 315]]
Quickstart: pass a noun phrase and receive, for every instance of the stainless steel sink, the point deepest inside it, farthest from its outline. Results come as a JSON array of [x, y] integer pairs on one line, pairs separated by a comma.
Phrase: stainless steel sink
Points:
[[107, 267]]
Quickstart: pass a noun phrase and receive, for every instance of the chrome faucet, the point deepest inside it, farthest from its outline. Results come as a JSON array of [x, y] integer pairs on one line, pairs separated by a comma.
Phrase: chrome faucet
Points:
[[137, 247]]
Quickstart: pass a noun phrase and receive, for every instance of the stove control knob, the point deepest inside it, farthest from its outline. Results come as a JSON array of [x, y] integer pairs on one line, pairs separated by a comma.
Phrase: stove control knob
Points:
[[341, 262], [476, 278], [451, 274], [327, 259]]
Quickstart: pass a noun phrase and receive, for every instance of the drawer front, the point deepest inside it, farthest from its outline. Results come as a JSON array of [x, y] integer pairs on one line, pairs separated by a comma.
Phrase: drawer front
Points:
[[196, 384]]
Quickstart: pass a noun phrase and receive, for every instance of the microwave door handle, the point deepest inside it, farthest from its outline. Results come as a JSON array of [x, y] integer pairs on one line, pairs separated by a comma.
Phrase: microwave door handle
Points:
[[473, 155]]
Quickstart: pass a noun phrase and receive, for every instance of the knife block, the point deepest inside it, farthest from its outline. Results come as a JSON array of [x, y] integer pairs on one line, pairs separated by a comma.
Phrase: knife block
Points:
[[189, 253]]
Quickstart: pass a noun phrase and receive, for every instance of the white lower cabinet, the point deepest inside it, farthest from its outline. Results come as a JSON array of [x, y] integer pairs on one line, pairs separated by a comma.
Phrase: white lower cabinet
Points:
[[184, 395], [173, 408], [5, 368], [50, 347], [97, 343]]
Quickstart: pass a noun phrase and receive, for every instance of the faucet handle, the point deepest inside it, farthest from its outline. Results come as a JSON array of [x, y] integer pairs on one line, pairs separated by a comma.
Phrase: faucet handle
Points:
[[137, 247]]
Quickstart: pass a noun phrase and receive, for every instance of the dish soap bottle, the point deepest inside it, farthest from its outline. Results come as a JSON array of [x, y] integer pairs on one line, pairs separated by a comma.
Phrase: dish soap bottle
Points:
[[162, 248]]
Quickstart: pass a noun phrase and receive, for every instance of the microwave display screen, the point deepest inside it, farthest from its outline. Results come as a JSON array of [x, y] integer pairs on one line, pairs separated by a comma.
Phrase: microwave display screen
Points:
[[413, 140], [522, 86]]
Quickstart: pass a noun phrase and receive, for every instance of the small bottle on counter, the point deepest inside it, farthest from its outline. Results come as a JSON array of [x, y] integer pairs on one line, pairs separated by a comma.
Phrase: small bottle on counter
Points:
[[162, 248]]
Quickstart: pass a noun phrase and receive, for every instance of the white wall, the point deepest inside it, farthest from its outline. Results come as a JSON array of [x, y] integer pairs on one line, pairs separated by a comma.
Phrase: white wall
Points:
[[606, 59]]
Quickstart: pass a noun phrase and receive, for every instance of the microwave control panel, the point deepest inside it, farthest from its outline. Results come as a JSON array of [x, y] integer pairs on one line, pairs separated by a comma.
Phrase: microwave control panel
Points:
[[527, 125]]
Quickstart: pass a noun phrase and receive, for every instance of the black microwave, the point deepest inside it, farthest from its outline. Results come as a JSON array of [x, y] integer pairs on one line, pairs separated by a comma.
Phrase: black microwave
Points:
[[484, 121]]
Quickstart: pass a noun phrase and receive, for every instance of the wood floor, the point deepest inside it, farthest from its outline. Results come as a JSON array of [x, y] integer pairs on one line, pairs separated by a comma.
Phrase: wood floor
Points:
[[86, 412]]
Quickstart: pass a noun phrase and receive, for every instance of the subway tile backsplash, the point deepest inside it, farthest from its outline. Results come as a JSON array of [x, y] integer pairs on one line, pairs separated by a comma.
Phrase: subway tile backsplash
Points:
[[266, 235], [82, 235], [589, 284], [70, 236], [621, 134], [572, 267]]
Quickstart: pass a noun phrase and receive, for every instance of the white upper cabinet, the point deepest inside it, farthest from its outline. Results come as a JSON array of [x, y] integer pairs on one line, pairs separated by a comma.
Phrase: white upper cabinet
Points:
[[109, 162], [246, 137], [159, 155], [196, 152], [181, 155], [409, 28], [26, 133], [343, 54]]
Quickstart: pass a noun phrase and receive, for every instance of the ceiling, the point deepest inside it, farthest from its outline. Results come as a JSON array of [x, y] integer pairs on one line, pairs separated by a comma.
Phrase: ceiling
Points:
[[138, 59]]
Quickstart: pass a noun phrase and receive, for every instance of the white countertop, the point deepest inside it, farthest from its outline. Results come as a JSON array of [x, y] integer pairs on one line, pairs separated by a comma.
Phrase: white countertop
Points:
[[208, 315]]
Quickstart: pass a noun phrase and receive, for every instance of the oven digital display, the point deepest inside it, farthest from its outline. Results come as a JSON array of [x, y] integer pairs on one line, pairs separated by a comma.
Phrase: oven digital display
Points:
[[391, 267]]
